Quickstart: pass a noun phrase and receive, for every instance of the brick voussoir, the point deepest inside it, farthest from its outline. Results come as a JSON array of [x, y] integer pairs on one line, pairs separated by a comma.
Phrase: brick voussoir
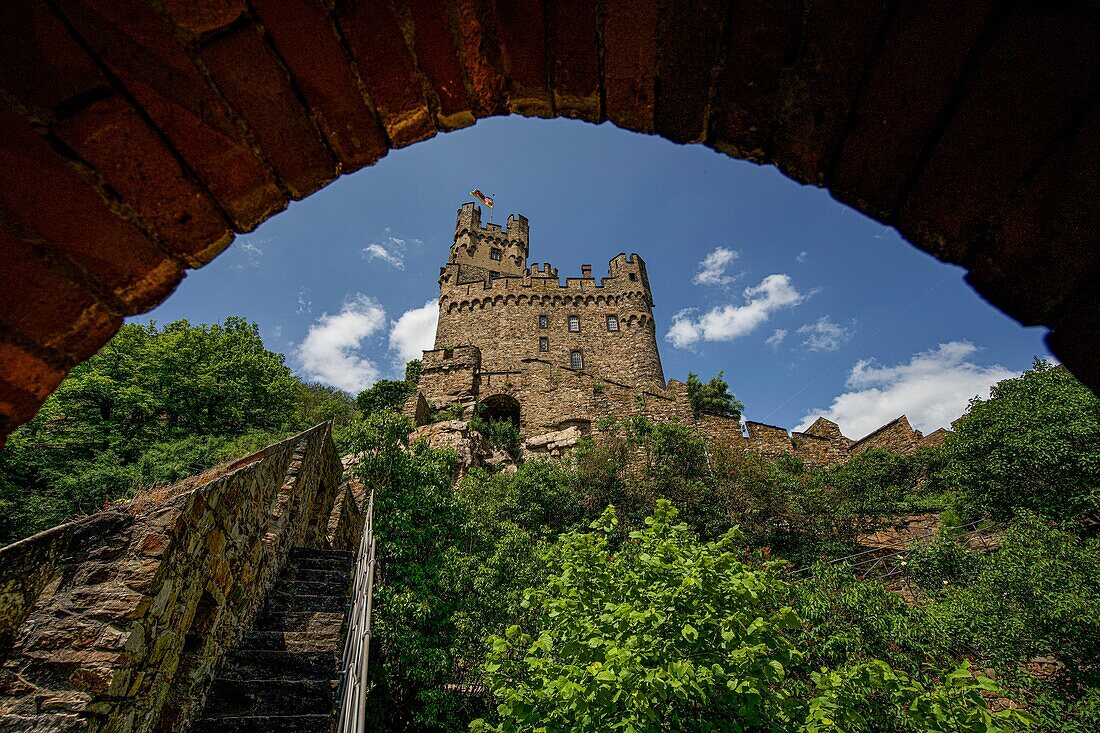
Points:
[[685, 72], [572, 53], [479, 55], [521, 30], [434, 44], [630, 62]]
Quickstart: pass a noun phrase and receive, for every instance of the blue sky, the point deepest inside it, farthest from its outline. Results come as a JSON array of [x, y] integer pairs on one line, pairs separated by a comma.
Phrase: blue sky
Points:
[[808, 306]]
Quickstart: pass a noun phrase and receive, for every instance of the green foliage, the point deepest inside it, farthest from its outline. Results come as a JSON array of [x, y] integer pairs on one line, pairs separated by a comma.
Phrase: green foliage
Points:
[[1034, 444], [713, 397], [390, 394], [668, 633], [385, 395], [499, 434], [154, 405]]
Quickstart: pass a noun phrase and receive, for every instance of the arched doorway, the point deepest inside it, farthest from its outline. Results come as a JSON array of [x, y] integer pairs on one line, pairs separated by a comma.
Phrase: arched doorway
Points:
[[500, 407], [140, 137]]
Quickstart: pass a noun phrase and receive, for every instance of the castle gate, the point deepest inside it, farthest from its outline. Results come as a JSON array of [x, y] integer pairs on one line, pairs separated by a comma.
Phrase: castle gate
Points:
[[500, 407], [139, 137]]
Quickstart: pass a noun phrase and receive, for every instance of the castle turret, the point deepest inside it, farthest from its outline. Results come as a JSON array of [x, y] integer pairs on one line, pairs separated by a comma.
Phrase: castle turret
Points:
[[490, 248]]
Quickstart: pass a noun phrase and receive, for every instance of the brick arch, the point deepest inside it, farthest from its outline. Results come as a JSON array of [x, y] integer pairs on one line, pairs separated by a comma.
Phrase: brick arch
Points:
[[140, 136]]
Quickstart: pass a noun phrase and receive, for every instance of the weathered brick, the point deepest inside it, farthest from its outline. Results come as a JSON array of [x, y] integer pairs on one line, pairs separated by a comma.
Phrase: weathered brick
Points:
[[521, 29], [324, 75], [27, 377], [760, 38], [257, 87], [905, 98], [630, 62], [140, 48], [113, 138], [818, 91], [573, 56], [1046, 245], [438, 61], [1075, 338], [43, 306], [41, 65], [203, 16], [384, 63], [1036, 71], [111, 249], [480, 55], [688, 38]]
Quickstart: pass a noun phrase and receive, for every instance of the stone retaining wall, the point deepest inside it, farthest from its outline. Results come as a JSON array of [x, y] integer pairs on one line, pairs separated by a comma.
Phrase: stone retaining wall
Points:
[[126, 615]]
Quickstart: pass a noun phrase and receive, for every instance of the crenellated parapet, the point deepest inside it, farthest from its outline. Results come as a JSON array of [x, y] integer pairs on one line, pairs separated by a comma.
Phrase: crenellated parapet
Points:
[[492, 247]]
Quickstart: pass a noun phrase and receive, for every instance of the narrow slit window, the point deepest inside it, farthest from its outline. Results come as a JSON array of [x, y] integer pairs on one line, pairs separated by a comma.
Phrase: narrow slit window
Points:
[[575, 323], [544, 344], [633, 277], [544, 321], [495, 254], [612, 323], [576, 360]]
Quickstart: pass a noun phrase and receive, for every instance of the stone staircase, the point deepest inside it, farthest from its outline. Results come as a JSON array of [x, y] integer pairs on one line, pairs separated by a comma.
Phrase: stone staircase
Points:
[[283, 676]]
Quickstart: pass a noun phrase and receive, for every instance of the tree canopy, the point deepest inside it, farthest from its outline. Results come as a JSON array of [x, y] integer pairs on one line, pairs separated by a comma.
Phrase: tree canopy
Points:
[[713, 397]]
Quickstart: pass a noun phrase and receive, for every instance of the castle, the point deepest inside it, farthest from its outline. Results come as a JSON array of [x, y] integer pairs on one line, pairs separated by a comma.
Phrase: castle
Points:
[[516, 343]]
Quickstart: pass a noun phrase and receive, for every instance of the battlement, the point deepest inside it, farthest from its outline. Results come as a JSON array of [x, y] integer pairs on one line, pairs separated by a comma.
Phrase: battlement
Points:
[[491, 246], [470, 279]]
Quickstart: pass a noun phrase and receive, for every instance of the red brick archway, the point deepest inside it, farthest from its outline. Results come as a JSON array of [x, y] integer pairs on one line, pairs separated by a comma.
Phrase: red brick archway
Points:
[[140, 134]]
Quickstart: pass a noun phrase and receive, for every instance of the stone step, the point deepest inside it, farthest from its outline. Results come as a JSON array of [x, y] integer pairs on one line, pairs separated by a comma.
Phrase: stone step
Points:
[[280, 601], [263, 664], [264, 724], [328, 584], [326, 640], [341, 557], [292, 571], [274, 697], [276, 619]]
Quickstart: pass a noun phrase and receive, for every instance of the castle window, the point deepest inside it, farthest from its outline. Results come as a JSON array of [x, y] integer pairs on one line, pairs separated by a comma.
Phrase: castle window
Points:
[[494, 254], [633, 276], [575, 323], [544, 321], [612, 323], [576, 360], [544, 343]]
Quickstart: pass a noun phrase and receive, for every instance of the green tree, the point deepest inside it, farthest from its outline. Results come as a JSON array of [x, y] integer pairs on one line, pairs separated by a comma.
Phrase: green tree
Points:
[[669, 634], [1034, 444], [713, 397], [390, 394]]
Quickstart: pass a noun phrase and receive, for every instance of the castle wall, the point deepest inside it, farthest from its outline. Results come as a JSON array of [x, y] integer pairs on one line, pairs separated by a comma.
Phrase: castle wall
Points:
[[896, 436], [501, 316]]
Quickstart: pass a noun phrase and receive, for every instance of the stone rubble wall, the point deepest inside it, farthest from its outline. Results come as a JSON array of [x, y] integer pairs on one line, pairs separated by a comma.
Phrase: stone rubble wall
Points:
[[129, 613]]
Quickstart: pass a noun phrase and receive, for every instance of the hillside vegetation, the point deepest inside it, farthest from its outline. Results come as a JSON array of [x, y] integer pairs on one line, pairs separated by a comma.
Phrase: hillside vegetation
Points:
[[647, 583]]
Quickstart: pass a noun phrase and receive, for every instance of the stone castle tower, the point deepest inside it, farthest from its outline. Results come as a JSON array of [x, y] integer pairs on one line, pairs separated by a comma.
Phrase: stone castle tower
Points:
[[557, 358], [491, 299]]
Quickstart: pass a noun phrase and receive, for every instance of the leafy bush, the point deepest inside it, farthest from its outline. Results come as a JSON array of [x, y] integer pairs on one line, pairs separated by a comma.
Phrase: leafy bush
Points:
[[942, 563], [713, 397], [498, 434], [667, 633], [1034, 445]]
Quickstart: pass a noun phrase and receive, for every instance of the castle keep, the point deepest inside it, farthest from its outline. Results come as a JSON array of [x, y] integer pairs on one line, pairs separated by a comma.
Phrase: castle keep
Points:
[[553, 357]]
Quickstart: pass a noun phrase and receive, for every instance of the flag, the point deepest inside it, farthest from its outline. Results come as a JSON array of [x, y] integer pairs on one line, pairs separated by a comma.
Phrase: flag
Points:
[[476, 193]]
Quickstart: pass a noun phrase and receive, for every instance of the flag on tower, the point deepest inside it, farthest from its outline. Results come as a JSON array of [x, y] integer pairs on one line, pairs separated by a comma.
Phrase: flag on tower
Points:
[[487, 200]]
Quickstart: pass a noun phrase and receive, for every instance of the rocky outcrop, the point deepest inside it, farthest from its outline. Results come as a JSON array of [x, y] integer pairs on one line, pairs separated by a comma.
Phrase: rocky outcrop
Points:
[[554, 444]]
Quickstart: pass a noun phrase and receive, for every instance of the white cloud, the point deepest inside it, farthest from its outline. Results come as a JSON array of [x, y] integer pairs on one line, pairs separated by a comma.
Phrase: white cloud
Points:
[[250, 253], [802, 256], [728, 322], [394, 256], [932, 389], [712, 270], [328, 352], [414, 332], [305, 305], [824, 335], [776, 338]]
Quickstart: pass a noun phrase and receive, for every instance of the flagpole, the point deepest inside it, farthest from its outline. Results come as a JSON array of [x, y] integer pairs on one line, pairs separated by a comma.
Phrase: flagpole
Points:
[[494, 198]]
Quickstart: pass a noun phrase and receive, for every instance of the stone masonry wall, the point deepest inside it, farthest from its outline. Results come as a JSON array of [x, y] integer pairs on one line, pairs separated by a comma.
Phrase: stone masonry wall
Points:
[[501, 316], [130, 612]]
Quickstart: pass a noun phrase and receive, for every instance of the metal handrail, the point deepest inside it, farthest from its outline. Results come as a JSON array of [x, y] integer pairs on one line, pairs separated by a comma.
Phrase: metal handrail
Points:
[[353, 665]]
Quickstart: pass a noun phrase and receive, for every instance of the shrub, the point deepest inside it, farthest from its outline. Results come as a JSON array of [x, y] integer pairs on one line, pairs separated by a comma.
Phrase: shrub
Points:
[[499, 434], [713, 397], [1034, 445]]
